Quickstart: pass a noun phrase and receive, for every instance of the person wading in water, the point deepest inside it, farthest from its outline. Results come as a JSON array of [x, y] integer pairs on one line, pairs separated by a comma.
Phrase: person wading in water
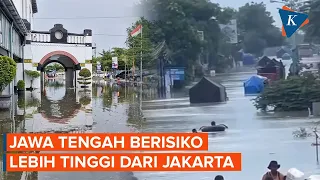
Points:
[[274, 173]]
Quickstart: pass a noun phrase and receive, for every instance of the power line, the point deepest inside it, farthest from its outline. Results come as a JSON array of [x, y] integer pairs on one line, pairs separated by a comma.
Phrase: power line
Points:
[[102, 17], [109, 35]]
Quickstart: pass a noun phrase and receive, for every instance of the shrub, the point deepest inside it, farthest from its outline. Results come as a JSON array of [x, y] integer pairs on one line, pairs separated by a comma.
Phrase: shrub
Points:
[[21, 85], [292, 94], [85, 75], [8, 69], [33, 75]]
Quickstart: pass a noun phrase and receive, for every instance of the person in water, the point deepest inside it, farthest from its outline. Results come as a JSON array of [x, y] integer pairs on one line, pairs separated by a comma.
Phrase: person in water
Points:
[[219, 177], [273, 173], [194, 130], [213, 123]]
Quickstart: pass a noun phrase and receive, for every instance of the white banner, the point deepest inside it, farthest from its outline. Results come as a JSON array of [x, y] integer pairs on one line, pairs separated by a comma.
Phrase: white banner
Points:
[[98, 67], [114, 62], [230, 30]]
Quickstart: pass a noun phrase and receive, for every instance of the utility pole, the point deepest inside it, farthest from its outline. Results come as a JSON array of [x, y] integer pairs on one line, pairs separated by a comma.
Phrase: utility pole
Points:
[[201, 37], [316, 144], [141, 79], [294, 67]]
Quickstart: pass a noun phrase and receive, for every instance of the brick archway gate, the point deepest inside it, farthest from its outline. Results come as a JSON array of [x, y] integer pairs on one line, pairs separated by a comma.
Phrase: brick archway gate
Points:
[[72, 50], [67, 60]]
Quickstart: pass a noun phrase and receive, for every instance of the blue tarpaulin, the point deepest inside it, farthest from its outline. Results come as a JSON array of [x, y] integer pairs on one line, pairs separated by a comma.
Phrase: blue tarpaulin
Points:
[[254, 85], [248, 59]]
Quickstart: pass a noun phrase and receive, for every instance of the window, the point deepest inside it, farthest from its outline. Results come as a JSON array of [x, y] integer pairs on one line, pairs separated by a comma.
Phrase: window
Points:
[[30, 14], [1, 42], [4, 31], [16, 44], [8, 35]]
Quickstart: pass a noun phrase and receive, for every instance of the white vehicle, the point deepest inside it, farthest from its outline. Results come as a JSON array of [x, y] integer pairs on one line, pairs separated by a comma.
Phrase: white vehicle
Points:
[[305, 50]]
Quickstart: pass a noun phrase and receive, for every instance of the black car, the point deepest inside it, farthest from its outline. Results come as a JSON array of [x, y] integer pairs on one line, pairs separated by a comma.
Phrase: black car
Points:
[[123, 74], [129, 75]]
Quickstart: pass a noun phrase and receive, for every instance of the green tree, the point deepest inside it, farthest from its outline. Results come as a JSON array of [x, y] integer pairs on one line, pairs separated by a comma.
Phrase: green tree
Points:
[[295, 5], [292, 94], [55, 66], [33, 75], [177, 24], [258, 32], [106, 58], [21, 85], [8, 68], [134, 45], [85, 75], [313, 28], [253, 43], [94, 63]]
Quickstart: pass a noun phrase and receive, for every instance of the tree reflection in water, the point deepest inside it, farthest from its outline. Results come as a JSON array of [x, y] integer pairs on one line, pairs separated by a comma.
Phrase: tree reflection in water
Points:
[[85, 100], [54, 84], [31, 102], [60, 111], [126, 95], [106, 97]]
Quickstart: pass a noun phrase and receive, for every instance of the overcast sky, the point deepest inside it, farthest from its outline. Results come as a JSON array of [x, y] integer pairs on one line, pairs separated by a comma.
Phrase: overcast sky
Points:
[[106, 8]]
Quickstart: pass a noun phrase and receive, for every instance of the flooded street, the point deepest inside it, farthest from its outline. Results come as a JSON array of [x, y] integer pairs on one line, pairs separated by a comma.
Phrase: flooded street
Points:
[[116, 108], [259, 137]]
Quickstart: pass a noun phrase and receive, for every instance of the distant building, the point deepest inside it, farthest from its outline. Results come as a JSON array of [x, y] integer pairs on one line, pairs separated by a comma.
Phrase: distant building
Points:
[[15, 23]]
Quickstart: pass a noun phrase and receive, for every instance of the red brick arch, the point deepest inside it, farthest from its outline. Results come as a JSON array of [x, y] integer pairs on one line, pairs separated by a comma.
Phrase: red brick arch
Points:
[[74, 60]]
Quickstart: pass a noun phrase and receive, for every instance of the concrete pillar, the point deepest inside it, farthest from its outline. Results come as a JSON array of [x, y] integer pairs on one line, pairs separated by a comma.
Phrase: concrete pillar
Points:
[[69, 78], [76, 79], [77, 95], [42, 79]]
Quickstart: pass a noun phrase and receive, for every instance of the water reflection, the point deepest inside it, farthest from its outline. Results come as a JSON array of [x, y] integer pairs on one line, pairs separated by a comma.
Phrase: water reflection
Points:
[[104, 107], [59, 105], [112, 107]]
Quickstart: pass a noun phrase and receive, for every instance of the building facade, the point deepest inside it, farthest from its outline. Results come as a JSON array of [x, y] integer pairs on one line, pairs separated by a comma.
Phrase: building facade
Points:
[[15, 24], [72, 50]]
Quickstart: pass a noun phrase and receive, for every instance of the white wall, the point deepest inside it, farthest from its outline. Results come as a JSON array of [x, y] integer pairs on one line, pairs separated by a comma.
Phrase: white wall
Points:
[[19, 76]]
